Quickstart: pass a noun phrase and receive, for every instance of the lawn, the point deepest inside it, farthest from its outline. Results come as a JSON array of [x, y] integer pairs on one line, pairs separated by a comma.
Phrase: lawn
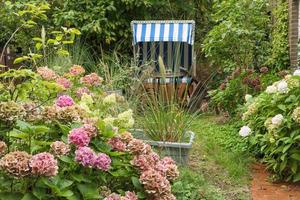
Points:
[[219, 163]]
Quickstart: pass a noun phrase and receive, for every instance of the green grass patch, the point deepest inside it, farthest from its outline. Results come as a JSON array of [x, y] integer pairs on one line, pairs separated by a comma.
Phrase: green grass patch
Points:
[[219, 163]]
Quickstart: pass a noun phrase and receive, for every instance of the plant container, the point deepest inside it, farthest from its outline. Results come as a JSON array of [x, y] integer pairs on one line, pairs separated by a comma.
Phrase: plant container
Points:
[[179, 151]]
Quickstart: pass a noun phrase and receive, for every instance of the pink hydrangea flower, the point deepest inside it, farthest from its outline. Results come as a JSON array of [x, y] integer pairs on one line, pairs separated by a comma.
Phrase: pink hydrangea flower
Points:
[[90, 129], [76, 70], [81, 91], [145, 161], [79, 137], [155, 183], [113, 196], [46, 73], [64, 101], [117, 144], [102, 161], [43, 164], [137, 146], [85, 156], [92, 79], [130, 196], [64, 82]]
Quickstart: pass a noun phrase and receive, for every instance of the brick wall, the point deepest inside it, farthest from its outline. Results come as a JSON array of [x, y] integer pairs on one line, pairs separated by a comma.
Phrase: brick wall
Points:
[[293, 31]]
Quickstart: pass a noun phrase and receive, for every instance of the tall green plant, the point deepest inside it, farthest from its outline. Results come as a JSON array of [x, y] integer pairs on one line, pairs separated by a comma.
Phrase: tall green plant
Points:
[[279, 55], [239, 37]]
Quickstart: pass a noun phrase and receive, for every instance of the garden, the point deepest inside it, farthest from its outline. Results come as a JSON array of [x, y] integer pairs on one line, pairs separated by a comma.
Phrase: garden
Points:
[[158, 100]]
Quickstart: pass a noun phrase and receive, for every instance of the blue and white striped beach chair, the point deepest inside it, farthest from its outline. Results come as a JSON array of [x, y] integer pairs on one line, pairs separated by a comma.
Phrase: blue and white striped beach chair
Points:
[[173, 41]]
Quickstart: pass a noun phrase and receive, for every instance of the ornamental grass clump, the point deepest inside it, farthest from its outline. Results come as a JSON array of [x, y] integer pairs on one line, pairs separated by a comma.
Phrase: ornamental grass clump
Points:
[[67, 139], [273, 119]]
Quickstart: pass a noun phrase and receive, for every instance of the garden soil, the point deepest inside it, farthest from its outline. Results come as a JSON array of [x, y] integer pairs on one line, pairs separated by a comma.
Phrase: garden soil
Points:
[[263, 189]]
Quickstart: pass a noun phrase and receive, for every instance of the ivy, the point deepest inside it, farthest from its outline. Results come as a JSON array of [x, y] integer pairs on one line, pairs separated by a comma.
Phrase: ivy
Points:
[[279, 56]]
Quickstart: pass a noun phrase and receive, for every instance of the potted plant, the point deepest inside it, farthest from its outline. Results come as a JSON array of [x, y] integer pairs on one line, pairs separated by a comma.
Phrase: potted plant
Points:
[[167, 128]]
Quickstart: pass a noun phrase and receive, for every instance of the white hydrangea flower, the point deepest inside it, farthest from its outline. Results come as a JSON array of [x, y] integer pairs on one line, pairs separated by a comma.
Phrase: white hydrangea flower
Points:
[[125, 119], [277, 119], [282, 87], [248, 98], [109, 120], [245, 131], [271, 89], [297, 72], [87, 99], [110, 99]]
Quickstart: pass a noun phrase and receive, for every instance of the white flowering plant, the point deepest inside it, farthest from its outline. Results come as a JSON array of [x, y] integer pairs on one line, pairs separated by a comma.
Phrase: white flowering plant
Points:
[[273, 118]]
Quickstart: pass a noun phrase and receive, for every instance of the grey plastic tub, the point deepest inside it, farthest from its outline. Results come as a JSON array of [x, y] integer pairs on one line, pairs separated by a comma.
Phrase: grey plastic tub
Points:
[[178, 151]]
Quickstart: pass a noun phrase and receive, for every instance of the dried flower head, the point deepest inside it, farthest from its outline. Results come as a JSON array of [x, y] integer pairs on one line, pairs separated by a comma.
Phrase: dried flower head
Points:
[[137, 146], [44, 164], [91, 130], [60, 148], [33, 112], [11, 111], [264, 70], [3, 148], [16, 163], [155, 183]]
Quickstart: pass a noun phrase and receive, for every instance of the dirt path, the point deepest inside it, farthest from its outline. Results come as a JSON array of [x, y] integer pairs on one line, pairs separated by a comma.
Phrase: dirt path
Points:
[[262, 189]]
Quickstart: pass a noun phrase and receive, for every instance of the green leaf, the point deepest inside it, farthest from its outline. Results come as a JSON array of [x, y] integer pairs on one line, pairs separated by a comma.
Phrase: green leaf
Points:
[[88, 191], [66, 159], [29, 196], [296, 156], [296, 178], [21, 59], [38, 46], [10, 196], [136, 182]]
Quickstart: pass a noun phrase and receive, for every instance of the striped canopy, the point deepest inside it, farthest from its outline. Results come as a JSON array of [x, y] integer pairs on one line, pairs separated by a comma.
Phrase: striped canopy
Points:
[[163, 31]]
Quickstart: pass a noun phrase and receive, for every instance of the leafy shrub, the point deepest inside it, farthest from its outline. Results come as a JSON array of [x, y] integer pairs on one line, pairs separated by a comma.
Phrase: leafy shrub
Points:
[[273, 117], [239, 36], [63, 137], [230, 94]]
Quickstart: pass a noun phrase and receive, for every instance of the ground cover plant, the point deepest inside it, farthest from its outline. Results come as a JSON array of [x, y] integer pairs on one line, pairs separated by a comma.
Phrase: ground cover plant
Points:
[[272, 123], [62, 137]]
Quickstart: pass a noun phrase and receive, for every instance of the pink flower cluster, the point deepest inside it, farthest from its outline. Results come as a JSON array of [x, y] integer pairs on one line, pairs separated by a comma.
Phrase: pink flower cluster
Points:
[[117, 144], [81, 91], [90, 129], [128, 196], [46, 73], [43, 164], [85, 156], [79, 137], [156, 173], [91, 80], [64, 101], [76, 70], [88, 158], [64, 82]]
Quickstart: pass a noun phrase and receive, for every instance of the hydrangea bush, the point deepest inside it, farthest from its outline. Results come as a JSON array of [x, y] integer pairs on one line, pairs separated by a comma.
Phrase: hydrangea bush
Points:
[[63, 137], [272, 123]]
